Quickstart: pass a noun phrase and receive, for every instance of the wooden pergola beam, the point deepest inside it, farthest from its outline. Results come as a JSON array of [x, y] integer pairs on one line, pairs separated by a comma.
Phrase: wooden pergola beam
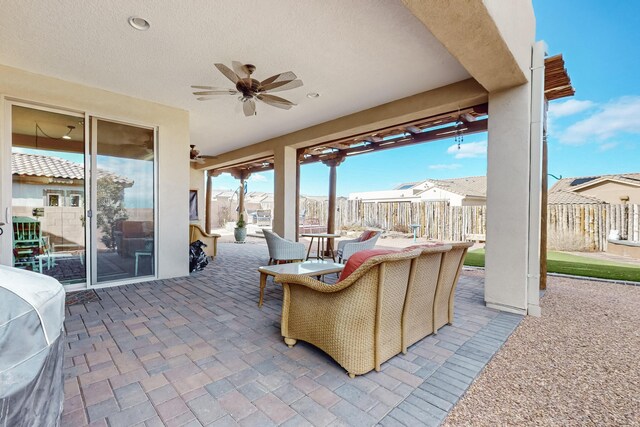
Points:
[[402, 141]]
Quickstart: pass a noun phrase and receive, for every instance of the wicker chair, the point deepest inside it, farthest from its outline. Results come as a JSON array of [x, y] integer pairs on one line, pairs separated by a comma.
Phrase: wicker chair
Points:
[[282, 249], [449, 273], [211, 240], [346, 248], [357, 321], [417, 320]]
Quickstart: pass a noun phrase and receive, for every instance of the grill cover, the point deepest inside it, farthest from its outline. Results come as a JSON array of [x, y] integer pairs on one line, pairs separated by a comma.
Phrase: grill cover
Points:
[[31, 348]]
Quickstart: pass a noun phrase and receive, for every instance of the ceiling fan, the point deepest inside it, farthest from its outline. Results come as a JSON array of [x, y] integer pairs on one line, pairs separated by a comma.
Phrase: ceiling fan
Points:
[[195, 157], [251, 89]]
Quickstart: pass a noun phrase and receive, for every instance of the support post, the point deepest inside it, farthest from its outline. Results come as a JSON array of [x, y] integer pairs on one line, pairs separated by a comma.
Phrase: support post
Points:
[[242, 175], [543, 214], [207, 203], [331, 216], [298, 156], [513, 195], [285, 161]]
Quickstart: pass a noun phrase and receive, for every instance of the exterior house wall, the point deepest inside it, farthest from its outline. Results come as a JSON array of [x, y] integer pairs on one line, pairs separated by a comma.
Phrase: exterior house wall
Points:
[[611, 192], [173, 144], [435, 194]]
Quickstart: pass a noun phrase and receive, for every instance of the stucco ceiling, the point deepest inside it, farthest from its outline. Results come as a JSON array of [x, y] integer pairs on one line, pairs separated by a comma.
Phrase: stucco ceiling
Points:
[[356, 53]]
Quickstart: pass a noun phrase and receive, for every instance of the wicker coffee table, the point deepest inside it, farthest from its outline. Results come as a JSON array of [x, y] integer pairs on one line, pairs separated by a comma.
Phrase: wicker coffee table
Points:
[[307, 268]]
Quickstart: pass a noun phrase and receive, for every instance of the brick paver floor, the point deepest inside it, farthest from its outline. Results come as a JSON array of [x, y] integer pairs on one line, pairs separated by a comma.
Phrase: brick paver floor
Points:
[[198, 351]]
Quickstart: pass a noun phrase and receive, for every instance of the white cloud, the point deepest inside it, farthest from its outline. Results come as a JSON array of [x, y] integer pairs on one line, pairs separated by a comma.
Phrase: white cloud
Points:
[[256, 177], [569, 107], [448, 166], [617, 117], [469, 150], [608, 146]]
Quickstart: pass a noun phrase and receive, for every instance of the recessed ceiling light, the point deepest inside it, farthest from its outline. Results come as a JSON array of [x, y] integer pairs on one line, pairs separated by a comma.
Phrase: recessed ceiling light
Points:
[[139, 23], [313, 95]]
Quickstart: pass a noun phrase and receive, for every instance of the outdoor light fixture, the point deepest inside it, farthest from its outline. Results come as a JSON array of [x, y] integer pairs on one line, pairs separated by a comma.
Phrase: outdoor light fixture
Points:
[[138, 23], [65, 136], [70, 129]]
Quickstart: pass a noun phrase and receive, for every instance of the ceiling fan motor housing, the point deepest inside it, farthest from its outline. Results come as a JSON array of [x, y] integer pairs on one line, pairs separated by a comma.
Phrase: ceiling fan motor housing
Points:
[[248, 87]]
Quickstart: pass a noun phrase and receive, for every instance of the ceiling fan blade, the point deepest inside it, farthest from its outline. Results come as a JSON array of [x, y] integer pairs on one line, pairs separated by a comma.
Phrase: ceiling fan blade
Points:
[[205, 98], [217, 92], [285, 85], [241, 70], [276, 101], [249, 107], [228, 72], [204, 87], [287, 75]]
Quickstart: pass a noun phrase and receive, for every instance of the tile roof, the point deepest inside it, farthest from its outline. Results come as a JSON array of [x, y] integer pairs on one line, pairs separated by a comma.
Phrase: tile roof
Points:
[[569, 197], [570, 183], [55, 167], [471, 186]]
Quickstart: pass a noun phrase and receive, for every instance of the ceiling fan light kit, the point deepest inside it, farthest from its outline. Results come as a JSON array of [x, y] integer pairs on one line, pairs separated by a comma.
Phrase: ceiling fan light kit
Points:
[[251, 89]]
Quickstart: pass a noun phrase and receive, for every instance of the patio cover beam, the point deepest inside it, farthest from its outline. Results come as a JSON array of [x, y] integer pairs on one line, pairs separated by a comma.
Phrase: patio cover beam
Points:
[[481, 36], [456, 96]]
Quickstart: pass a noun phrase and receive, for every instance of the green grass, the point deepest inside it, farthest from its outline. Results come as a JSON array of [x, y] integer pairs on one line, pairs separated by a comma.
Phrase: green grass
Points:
[[559, 262]]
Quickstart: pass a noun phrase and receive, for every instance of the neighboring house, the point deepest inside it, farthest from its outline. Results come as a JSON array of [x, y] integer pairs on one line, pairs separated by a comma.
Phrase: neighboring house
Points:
[[466, 191], [56, 187], [612, 189], [40, 181]]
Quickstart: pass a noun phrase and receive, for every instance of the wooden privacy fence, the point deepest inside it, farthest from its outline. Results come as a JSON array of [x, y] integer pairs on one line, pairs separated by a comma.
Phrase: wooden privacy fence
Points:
[[587, 227], [570, 227], [436, 220]]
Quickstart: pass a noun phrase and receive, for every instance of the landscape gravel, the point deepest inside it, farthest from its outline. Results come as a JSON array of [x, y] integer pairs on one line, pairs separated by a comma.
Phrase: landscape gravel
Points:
[[577, 365]]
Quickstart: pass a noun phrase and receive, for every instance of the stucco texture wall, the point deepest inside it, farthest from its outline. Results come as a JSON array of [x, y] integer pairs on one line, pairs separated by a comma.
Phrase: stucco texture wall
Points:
[[613, 192], [173, 146]]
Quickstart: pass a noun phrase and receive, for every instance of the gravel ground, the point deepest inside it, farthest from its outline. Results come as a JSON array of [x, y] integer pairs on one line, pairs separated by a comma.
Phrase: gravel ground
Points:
[[577, 365]]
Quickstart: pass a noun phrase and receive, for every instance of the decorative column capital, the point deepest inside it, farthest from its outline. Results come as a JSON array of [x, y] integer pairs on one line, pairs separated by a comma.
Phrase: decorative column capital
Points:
[[334, 160]]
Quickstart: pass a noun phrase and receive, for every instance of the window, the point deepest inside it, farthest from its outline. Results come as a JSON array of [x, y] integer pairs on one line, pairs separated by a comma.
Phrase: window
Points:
[[193, 205], [53, 200], [74, 200]]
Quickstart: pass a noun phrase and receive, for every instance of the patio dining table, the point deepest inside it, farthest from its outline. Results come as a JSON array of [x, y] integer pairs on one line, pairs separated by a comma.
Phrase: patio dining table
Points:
[[321, 244]]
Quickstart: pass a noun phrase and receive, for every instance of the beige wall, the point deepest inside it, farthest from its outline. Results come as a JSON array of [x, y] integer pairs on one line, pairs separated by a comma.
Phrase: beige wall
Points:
[[516, 23], [611, 192], [173, 144]]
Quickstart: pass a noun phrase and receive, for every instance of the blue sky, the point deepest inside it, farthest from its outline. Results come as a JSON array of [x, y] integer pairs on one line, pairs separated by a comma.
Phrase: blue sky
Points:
[[594, 132]]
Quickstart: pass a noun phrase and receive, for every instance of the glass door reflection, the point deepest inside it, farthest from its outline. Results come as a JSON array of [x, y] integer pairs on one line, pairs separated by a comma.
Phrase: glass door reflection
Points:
[[48, 193], [124, 201]]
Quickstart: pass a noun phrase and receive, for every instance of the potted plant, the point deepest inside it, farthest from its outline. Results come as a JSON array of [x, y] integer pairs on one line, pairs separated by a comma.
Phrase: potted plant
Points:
[[240, 232]]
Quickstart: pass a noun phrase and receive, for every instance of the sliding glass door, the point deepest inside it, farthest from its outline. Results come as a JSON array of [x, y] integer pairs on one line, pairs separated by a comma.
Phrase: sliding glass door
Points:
[[124, 226], [47, 222], [80, 206]]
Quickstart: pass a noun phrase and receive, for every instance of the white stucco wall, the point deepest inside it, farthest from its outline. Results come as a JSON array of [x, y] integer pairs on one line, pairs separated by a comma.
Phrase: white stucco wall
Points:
[[436, 194], [173, 144]]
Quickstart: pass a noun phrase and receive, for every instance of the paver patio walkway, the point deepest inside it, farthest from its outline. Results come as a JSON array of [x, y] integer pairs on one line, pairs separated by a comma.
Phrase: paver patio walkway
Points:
[[198, 351]]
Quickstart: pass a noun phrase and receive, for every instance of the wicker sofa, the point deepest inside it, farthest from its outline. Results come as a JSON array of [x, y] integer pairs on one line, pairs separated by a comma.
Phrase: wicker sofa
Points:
[[387, 304]]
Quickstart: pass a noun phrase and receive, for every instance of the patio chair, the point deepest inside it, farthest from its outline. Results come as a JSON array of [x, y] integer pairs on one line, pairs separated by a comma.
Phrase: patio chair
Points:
[[358, 320], [211, 240], [282, 249], [449, 273], [27, 242], [346, 248]]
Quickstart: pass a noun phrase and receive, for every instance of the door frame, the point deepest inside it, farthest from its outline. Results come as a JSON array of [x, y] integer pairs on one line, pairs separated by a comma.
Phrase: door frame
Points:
[[92, 120], [90, 163]]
